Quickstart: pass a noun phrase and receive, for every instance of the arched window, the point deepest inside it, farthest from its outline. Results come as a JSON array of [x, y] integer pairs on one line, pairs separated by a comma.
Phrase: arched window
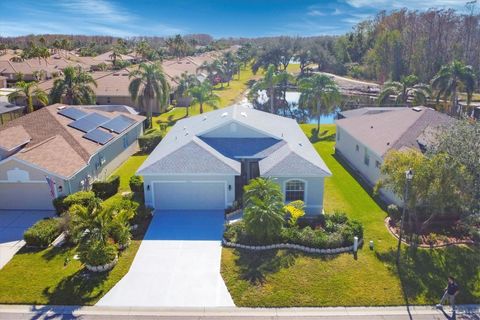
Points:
[[294, 190]]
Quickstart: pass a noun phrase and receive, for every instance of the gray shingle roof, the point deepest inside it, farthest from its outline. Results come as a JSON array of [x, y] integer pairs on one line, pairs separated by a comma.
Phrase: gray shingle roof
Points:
[[400, 129], [368, 110], [269, 125]]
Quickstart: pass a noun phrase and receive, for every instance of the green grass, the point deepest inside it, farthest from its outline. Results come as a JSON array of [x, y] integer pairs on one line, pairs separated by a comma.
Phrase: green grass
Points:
[[42, 277], [293, 279]]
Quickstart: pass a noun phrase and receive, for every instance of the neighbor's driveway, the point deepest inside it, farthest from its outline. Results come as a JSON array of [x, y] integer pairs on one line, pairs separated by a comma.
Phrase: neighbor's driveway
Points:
[[12, 225], [177, 264]]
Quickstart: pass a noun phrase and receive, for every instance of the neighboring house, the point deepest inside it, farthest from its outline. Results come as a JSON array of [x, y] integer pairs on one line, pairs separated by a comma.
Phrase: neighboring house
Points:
[[204, 161], [9, 111], [365, 139], [366, 111], [71, 146]]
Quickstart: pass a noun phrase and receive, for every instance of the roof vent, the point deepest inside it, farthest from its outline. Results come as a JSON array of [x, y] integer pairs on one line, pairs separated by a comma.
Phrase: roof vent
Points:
[[184, 128], [186, 133], [417, 109], [204, 118], [371, 127], [388, 143], [300, 144], [61, 107], [224, 114], [244, 114]]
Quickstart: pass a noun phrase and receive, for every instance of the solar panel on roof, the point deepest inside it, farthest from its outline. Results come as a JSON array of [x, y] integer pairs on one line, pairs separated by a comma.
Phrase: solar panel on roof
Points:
[[72, 113], [98, 136], [89, 122], [118, 124]]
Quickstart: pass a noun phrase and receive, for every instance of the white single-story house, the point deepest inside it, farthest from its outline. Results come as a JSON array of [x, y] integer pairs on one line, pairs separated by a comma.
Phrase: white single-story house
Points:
[[364, 137], [204, 161], [60, 149]]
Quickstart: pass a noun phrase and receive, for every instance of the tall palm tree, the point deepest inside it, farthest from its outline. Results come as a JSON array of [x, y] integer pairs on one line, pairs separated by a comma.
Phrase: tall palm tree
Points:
[[185, 82], [217, 71], [403, 89], [203, 94], [29, 91], [450, 79], [75, 87], [149, 88], [319, 93], [270, 82]]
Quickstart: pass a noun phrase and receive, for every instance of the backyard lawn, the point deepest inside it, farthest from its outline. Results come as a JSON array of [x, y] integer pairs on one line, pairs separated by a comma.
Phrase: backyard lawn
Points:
[[286, 278]]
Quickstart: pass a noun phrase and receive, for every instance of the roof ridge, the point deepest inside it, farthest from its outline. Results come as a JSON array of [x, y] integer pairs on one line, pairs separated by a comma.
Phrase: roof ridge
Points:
[[40, 143]]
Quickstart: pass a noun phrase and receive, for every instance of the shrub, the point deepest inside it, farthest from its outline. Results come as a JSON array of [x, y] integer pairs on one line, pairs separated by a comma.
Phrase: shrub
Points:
[[295, 210], [432, 239], [393, 212], [97, 253], [42, 233], [83, 198], [106, 189], [337, 217], [148, 142], [136, 184], [357, 228], [59, 205], [233, 230], [334, 240]]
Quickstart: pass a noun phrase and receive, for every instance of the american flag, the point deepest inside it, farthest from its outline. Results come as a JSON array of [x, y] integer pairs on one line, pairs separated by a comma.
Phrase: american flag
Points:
[[51, 184]]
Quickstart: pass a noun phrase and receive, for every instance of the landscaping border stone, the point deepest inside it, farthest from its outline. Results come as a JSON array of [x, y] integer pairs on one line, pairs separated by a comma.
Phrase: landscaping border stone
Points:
[[291, 246], [102, 268]]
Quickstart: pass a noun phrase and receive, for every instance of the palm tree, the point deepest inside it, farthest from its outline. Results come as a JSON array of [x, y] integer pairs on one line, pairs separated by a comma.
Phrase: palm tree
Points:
[[29, 91], [75, 87], [450, 79], [185, 82], [319, 93], [403, 89], [149, 88], [269, 83], [217, 71], [203, 94], [263, 217]]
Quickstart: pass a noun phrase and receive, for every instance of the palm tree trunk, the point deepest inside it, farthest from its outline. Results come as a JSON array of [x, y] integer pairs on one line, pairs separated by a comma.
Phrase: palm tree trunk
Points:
[[201, 107], [454, 100], [149, 112], [318, 118], [29, 104], [272, 96]]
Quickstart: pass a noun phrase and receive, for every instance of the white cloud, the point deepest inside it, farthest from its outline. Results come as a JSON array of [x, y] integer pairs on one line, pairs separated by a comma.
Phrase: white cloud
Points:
[[410, 4], [315, 13]]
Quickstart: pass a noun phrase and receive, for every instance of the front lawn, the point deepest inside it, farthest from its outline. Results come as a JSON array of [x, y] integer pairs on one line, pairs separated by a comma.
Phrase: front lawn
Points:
[[53, 276], [285, 278]]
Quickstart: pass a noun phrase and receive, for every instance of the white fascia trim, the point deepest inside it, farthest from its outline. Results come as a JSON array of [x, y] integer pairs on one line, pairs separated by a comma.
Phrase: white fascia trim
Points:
[[13, 158]]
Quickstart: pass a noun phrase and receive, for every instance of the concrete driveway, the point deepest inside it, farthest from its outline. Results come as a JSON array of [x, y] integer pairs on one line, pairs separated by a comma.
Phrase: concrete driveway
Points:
[[177, 264], [12, 225]]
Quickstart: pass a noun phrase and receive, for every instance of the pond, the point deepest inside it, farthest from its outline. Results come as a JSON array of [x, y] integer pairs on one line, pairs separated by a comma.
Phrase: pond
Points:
[[291, 109]]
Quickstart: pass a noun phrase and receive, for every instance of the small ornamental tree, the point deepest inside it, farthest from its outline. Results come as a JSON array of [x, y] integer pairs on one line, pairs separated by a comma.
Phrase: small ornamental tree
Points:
[[264, 211]]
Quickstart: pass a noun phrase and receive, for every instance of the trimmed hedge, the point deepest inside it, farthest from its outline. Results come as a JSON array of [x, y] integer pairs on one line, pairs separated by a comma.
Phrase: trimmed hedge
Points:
[[148, 142], [136, 184], [83, 198], [106, 189], [59, 205], [42, 233]]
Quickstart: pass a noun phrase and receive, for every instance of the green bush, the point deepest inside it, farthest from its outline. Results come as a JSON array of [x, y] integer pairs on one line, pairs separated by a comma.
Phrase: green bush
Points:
[[148, 142], [59, 205], [357, 228], [136, 184], [97, 253], [394, 212], [42, 233], [106, 189], [337, 217], [83, 198]]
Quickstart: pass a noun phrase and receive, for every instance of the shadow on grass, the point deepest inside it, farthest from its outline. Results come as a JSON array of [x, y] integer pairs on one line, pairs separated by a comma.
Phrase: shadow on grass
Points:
[[77, 289], [314, 137], [54, 252], [424, 272]]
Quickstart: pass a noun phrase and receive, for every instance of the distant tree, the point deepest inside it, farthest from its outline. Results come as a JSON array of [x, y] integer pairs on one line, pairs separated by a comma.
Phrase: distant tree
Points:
[[403, 89], [269, 82], [217, 71], [304, 58], [149, 88], [186, 81], [245, 54], [177, 46], [450, 79], [74, 88], [263, 213], [203, 94], [319, 93], [29, 91]]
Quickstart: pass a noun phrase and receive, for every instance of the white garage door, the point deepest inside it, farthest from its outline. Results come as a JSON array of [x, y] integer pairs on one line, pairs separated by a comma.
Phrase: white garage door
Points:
[[191, 195], [25, 196]]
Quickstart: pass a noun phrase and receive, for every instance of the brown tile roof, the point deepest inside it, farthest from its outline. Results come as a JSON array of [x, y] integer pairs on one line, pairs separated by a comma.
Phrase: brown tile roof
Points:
[[400, 129], [45, 124], [13, 137]]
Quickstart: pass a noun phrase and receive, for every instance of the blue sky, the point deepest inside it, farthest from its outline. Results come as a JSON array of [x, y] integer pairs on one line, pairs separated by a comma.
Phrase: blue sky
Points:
[[220, 18]]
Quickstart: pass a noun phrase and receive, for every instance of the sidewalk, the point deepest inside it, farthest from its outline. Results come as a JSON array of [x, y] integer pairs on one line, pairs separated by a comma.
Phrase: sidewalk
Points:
[[338, 313]]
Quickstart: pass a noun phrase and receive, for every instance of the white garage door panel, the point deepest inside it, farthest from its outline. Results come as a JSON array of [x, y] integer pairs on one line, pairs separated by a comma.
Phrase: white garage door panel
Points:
[[189, 195], [25, 196]]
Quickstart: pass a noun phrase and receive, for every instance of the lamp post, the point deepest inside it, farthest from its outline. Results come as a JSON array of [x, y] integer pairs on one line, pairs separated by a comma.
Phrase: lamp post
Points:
[[408, 180]]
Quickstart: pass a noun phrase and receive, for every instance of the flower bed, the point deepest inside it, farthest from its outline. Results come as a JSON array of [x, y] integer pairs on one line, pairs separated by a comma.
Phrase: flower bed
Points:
[[102, 268], [321, 234]]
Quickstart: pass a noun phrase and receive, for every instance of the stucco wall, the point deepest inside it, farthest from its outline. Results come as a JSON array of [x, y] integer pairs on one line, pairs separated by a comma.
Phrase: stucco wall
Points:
[[347, 146], [148, 180], [314, 192]]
